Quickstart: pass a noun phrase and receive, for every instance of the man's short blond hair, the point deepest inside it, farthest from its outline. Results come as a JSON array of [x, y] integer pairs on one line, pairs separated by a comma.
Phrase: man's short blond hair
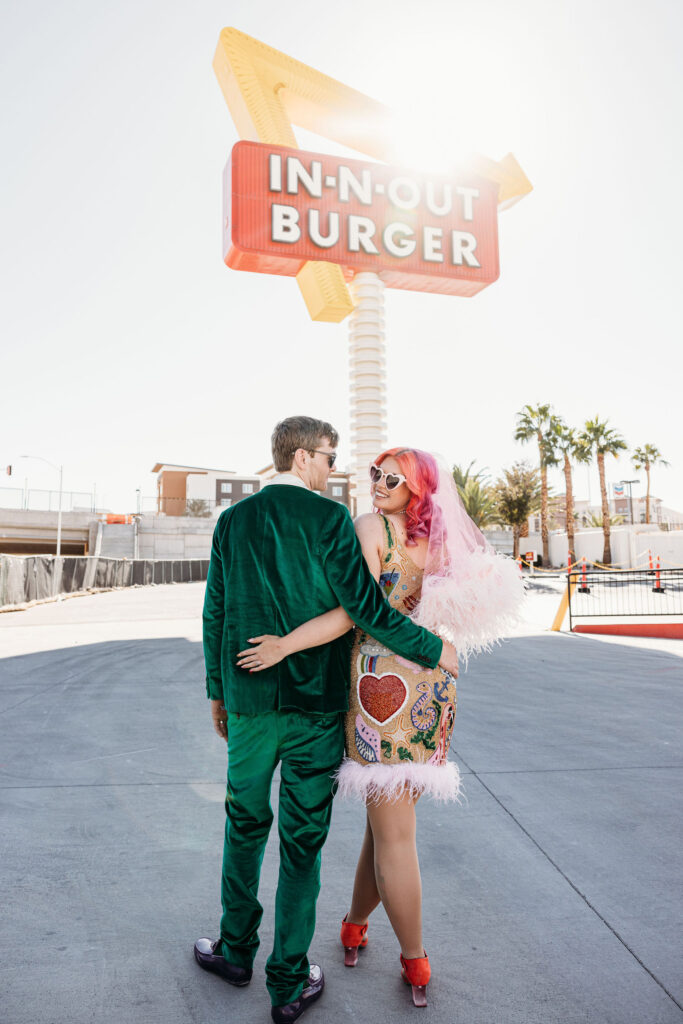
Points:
[[298, 432]]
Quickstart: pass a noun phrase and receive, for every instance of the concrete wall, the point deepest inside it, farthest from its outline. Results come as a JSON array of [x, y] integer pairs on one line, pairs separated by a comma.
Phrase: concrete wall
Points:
[[158, 536], [118, 541], [668, 545], [589, 545], [29, 530], [175, 537], [630, 545], [501, 540]]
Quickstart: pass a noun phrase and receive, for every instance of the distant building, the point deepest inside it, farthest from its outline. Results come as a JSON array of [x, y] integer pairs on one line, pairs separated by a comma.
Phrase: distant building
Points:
[[586, 512], [658, 511], [199, 490], [338, 485]]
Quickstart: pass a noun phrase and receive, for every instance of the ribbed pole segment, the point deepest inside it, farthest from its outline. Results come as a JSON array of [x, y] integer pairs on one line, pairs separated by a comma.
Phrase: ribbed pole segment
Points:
[[367, 381]]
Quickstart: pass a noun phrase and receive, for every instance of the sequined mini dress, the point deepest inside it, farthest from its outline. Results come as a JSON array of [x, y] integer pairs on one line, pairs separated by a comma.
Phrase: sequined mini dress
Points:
[[400, 719]]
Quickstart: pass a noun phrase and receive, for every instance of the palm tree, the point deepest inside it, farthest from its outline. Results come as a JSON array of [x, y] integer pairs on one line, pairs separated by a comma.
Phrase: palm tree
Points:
[[480, 503], [463, 476], [645, 458], [571, 448], [476, 494], [593, 520], [517, 495], [536, 424], [603, 440]]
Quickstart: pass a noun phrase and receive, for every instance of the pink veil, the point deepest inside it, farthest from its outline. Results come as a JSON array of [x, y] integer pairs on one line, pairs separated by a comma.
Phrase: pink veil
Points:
[[471, 595]]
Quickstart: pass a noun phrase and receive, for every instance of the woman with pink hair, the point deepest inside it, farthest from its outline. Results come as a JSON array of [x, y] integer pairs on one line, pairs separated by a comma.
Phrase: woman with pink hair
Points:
[[434, 565]]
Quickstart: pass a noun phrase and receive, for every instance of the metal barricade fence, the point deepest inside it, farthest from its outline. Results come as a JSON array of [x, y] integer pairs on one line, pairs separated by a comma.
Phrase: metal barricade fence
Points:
[[626, 593]]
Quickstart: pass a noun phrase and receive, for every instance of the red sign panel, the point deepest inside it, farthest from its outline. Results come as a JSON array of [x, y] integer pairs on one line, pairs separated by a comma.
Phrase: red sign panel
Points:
[[432, 233]]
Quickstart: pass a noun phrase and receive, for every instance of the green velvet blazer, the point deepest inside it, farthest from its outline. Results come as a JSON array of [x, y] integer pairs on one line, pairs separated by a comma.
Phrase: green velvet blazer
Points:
[[278, 559]]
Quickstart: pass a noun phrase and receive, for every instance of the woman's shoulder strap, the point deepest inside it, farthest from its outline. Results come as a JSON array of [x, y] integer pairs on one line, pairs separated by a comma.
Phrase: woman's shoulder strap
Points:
[[391, 541]]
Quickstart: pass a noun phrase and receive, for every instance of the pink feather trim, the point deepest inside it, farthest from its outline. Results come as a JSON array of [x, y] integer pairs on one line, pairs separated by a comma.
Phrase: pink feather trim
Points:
[[475, 605], [392, 781]]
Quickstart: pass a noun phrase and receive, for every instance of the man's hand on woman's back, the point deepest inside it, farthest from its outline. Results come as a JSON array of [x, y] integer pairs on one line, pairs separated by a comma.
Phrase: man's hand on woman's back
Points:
[[449, 659]]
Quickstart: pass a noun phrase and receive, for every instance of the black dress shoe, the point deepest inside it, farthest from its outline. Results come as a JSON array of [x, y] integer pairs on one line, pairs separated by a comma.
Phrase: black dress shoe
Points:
[[206, 958], [313, 991]]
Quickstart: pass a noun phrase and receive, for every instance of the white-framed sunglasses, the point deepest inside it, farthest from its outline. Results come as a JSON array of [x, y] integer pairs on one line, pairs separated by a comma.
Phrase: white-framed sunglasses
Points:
[[393, 480]]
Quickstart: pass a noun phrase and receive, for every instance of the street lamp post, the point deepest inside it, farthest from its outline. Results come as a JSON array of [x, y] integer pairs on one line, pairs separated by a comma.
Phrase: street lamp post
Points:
[[59, 514], [630, 497], [60, 470]]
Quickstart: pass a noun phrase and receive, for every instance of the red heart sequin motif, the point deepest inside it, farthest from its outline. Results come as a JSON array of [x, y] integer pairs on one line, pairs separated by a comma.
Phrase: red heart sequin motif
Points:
[[382, 697]]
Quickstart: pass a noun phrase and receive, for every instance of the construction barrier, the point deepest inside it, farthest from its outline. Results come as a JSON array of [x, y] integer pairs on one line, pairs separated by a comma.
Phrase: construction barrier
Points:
[[621, 595], [33, 578], [595, 565]]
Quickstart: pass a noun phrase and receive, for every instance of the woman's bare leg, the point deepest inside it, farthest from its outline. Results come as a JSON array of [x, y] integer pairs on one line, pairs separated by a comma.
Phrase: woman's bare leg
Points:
[[397, 871], [365, 894]]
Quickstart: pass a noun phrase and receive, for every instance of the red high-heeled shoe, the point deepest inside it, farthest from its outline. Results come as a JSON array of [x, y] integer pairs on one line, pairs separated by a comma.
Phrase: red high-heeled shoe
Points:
[[417, 972], [353, 938]]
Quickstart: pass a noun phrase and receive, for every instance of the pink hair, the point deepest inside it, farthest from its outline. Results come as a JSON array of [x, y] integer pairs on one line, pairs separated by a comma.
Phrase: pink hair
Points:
[[422, 477]]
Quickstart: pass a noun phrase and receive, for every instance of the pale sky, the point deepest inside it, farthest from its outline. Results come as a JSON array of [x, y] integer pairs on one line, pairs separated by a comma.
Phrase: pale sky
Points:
[[126, 339]]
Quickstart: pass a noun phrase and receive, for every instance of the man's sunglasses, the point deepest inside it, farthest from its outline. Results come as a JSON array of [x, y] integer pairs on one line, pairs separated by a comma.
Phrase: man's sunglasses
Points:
[[393, 480], [331, 456]]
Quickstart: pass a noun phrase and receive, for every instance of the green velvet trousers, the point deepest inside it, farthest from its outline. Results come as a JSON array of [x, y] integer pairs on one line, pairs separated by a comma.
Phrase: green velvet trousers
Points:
[[309, 748]]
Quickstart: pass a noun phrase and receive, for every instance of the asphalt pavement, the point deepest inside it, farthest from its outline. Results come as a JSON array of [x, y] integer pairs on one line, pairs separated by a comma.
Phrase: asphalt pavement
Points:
[[552, 894]]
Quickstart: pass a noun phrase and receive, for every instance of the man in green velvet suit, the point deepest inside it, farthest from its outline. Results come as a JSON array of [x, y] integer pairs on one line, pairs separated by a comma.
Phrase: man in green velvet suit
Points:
[[280, 558]]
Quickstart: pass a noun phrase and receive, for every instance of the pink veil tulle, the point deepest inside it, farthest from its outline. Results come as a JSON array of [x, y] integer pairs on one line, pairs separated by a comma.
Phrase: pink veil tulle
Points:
[[471, 595]]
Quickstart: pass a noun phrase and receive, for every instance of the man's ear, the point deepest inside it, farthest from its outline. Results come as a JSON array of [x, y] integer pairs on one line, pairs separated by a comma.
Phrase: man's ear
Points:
[[299, 460]]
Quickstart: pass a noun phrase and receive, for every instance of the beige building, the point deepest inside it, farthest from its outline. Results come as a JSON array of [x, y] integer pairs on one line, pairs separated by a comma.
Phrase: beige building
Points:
[[338, 485], [202, 491], [585, 513], [199, 490]]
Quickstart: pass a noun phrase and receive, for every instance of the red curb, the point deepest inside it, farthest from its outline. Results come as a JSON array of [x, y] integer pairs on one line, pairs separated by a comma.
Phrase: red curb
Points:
[[672, 630]]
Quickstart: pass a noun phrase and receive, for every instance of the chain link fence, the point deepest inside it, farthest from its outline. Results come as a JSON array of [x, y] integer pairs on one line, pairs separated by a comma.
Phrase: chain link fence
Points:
[[38, 500]]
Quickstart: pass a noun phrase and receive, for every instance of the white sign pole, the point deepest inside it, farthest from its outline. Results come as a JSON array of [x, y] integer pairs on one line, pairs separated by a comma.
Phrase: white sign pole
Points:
[[367, 382]]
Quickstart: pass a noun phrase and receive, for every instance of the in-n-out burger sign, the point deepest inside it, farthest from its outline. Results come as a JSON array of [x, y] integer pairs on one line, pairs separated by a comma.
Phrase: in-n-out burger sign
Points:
[[284, 207]]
